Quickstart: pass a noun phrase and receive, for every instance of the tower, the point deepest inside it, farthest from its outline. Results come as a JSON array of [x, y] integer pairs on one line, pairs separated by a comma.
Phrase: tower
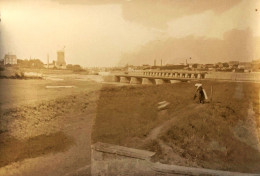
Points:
[[60, 59]]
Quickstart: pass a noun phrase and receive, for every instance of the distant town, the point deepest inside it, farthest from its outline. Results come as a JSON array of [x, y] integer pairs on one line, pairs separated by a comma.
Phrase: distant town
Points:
[[11, 60]]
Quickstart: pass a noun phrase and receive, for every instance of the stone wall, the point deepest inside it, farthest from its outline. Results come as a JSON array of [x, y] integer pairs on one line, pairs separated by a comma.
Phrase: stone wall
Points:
[[113, 160]]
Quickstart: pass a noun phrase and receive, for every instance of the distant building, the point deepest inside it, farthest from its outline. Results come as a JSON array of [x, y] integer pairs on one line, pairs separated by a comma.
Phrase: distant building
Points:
[[61, 60], [245, 65], [10, 59], [209, 66], [191, 65], [233, 63], [51, 65], [219, 65], [256, 61]]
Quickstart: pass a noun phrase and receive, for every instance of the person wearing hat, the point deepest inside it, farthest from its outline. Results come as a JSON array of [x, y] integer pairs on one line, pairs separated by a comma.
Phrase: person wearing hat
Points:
[[200, 93]]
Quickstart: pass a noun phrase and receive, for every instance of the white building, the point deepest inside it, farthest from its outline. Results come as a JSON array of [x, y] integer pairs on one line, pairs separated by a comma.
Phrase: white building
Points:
[[10, 59]]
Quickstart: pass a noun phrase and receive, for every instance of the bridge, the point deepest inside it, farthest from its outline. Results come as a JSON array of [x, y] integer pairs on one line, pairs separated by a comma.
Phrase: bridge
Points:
[[158, 77]]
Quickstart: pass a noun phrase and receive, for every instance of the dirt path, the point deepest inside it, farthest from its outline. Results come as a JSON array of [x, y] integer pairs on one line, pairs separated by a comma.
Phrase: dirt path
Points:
[[154, 134], [169, 152]]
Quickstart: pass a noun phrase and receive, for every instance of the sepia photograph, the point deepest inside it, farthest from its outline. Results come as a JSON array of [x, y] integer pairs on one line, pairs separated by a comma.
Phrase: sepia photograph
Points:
[[129, 87]]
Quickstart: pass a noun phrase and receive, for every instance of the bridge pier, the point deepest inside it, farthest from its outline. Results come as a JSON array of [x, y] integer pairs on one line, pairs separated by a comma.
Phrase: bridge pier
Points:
[[147, 81], [161, 81], [116, 78], [124, 79], [174, 81], [135, 80]]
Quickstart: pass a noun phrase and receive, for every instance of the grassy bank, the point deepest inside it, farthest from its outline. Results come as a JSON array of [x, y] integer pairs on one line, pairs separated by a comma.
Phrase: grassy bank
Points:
[[222, 134]]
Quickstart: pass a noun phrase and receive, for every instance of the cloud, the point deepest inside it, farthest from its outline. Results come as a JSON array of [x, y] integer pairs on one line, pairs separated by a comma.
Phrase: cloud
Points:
[[235, 45], [89, 2], [157, 13]]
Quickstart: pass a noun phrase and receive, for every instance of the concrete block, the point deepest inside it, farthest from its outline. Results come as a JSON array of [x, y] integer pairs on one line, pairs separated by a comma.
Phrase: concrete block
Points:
[[163, 105]]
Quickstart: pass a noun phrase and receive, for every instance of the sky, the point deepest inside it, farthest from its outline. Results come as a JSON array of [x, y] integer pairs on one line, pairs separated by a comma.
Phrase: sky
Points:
[[119, 32]]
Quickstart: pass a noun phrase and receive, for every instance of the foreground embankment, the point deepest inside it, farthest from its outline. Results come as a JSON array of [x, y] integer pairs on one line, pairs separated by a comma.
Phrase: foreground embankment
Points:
[[222, 134]]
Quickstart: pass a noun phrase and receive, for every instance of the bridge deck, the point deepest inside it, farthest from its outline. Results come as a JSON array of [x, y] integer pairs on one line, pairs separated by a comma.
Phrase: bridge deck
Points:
[[156, 77]]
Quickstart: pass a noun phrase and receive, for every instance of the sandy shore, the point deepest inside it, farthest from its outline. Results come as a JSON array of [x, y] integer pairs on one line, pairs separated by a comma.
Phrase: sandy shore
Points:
[[46, 131]]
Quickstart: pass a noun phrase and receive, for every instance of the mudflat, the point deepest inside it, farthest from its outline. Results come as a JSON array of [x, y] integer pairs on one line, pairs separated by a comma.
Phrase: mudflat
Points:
[[46, 131]]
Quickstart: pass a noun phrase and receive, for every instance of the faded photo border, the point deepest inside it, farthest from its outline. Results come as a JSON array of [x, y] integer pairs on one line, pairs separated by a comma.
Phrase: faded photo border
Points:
[[129, 87]]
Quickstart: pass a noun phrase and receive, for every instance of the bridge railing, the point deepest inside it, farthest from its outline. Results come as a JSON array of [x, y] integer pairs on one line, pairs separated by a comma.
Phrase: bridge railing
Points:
[[175, 74]]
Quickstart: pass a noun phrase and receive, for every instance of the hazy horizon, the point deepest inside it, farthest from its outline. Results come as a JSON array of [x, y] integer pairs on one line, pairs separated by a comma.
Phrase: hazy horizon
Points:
[[119, 32]]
